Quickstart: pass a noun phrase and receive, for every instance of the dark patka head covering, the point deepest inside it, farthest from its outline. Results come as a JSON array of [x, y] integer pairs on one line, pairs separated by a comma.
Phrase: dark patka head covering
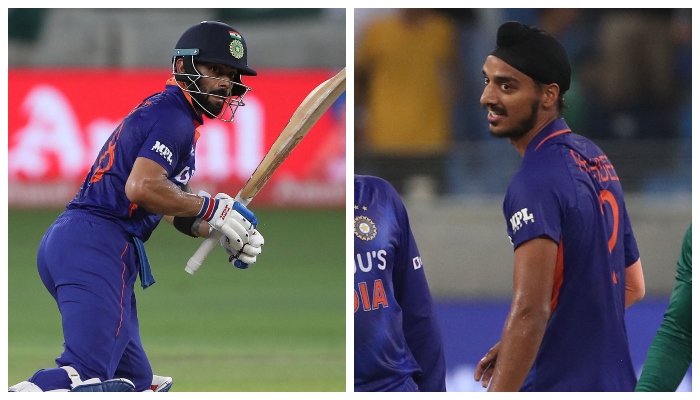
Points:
[[535, 53]]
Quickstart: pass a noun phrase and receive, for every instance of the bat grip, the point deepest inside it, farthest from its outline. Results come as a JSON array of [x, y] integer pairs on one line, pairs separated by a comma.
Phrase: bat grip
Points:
[[202, 252]]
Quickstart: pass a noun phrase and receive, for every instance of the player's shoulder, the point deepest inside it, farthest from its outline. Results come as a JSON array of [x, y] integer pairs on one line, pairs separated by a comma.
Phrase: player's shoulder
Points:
[[370, 186], [373, 182], [548, 174], [166, 109], [548, 161], [688, 239]]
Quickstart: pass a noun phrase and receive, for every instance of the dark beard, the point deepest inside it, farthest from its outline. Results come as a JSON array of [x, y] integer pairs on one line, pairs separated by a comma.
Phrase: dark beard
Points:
[[524, 126], [205, 101]]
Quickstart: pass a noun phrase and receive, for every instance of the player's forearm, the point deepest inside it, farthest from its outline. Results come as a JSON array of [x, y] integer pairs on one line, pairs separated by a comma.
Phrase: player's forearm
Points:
[[634, 283], [160, 196], [521, 339]]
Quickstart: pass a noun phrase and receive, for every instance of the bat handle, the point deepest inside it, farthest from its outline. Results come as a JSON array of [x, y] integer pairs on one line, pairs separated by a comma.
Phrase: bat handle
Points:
[[202, 252]]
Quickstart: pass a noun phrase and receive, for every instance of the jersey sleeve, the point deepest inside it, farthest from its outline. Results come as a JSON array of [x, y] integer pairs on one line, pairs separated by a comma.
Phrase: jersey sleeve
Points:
[[164, 140], [420, 324], [532, 208], [670, 353]]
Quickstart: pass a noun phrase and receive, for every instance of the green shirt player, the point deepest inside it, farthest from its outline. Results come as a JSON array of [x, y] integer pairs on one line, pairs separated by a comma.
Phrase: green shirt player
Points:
[[671, 350]]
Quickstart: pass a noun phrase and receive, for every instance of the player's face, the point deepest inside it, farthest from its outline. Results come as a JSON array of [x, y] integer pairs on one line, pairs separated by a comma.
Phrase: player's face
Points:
[[218, 87], [511, 98]]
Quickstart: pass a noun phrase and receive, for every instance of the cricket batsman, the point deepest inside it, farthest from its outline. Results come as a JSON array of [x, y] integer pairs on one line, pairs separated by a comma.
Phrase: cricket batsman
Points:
[[90, 257]]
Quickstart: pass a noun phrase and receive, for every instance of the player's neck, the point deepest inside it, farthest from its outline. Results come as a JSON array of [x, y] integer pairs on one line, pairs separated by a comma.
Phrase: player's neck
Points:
[[522, 142]]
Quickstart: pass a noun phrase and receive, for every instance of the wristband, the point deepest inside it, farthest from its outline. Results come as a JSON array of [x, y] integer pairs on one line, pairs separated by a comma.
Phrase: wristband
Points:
[[185, 224], [208, 207]]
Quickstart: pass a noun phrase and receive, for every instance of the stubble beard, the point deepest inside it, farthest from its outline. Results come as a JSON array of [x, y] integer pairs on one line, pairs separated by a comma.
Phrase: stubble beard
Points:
[[206, 101], [523, 127]]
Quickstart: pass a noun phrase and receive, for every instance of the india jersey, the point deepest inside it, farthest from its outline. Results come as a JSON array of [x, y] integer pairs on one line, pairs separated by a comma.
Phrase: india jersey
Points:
[[567, 190], [397, 336], [163, 129]]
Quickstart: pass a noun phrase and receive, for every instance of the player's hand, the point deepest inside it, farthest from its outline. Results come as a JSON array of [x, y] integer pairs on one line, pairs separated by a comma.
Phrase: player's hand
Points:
[[485, 366], [242, 256], [229, 217]]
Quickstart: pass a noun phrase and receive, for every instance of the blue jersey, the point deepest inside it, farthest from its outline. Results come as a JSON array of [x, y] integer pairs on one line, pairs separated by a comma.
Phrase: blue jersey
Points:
[[163, 129], [567, 190], [398, 342]]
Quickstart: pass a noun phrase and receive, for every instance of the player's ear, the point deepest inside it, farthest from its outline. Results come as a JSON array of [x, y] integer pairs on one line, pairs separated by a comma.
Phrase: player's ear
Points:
[[550, 94], [180, 64]]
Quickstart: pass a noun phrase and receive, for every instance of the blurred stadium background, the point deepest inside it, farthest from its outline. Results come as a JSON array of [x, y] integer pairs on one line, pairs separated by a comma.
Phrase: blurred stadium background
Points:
[[631, 94], [279, 326]]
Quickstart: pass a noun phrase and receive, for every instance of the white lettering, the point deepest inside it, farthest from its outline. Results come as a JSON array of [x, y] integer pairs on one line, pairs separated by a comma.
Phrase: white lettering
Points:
[[516, 221], [184, 175], [164, 151], [380, 256], [52, 133], [371, 256]]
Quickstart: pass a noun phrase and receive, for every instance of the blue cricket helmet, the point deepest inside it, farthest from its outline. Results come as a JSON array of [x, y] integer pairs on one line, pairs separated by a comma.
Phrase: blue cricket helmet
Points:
[[214, 42], [217, 42]]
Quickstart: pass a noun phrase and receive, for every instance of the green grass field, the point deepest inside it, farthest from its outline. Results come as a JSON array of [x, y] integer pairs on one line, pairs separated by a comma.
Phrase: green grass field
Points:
[[278, 326]]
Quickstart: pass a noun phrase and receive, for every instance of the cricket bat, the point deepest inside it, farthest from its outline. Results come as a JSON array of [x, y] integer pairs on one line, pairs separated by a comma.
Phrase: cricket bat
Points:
[[303, 119]]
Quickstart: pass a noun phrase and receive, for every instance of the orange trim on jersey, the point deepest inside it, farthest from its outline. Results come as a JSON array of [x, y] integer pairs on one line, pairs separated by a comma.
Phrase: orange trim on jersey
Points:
[[558, 277], [121, 301], [132, 208], [172, 81], [557, 133], [109, 152]]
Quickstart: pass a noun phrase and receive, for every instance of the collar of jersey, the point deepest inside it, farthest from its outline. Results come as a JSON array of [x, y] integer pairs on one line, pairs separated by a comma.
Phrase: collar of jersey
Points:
[[554, 128], [171, 84]]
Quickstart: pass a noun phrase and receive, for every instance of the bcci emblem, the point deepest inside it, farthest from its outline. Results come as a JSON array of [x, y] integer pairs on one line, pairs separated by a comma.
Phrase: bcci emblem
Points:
[[236, 48], [365, 228]]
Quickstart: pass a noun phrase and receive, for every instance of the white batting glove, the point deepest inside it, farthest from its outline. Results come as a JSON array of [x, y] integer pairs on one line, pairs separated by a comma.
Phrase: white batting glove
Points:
[[242, 256], [229, 217]]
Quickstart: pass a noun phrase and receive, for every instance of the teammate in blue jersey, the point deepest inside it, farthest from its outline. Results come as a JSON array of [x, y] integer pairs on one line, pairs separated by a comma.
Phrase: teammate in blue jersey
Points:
[[91, 255], [398, 343], [577, 265]]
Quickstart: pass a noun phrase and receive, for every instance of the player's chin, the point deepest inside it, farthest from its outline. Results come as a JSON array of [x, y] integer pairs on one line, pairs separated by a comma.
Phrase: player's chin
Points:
[[497, 130], [215, 110]]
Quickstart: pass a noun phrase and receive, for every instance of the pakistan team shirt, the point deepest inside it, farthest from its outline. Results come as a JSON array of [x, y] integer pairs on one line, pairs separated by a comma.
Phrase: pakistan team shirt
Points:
[[671, 351], [397, 336], [567, 190]]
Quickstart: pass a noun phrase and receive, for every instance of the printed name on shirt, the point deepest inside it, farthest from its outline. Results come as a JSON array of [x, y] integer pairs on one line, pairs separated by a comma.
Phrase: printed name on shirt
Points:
[[371, 259], [520, 217], [598, 168], [377, 296], [164, 151]]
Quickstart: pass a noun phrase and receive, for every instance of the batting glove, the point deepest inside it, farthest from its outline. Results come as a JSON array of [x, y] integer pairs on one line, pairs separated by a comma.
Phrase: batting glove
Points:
[[229, 217], [242, 256]]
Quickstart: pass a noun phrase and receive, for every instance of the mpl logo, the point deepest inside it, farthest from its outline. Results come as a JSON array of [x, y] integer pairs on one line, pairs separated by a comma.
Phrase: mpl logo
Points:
[[164, 151], [520, 217]]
